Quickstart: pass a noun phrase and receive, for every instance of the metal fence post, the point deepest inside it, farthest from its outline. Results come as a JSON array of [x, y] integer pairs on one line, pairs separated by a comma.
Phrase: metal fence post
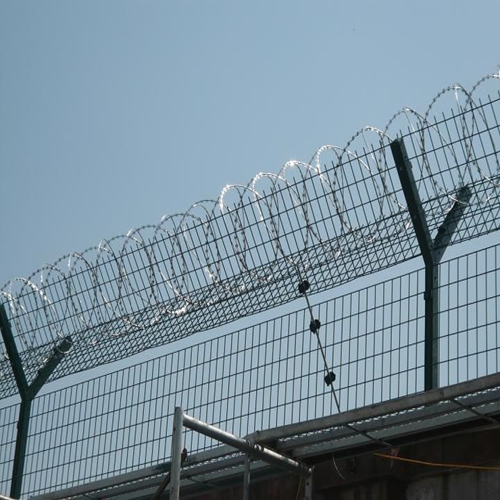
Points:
[[432, 252], [27, 394]]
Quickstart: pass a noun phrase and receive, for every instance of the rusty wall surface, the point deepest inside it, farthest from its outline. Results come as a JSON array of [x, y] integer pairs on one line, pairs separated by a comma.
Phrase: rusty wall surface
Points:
[[438, 470]]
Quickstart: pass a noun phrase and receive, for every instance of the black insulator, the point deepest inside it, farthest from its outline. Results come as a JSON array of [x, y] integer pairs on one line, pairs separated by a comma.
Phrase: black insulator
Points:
[[304, 286], [330, 378], [314, 326]]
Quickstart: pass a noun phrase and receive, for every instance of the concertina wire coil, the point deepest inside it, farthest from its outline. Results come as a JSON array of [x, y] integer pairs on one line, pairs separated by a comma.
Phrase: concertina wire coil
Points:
[[209, 265]]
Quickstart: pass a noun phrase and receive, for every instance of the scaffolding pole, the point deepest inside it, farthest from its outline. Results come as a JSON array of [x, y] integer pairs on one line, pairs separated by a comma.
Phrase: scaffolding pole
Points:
[[249, 448], [246, 479], [176, 460], [254, 450]]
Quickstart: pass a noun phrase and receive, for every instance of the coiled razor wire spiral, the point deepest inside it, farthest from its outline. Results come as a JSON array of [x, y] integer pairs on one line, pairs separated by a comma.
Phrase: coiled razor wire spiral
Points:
[[342, 214]]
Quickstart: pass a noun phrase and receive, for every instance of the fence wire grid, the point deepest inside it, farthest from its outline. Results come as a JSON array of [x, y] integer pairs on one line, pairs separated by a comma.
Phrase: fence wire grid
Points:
[[340, 216], [264, 376], [331, 221]]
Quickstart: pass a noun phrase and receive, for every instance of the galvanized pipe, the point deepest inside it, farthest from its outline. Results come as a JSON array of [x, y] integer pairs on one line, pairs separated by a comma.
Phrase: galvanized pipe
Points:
[[176, 460], [255, 450], [246, 479], [308, 488]]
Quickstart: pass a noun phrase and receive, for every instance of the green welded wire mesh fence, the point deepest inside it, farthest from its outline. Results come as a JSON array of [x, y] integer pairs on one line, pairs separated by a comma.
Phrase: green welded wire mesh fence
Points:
[[333, 220], [264, 376], [340, 216]]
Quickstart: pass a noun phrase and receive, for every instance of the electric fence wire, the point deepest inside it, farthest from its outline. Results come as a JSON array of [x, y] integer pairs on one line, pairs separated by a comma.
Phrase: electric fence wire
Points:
[[330, 377]]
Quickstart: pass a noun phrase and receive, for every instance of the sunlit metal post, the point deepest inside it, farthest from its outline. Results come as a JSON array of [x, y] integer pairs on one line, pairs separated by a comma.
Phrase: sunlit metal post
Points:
[[176, 460], [308, 489], [246, 479]]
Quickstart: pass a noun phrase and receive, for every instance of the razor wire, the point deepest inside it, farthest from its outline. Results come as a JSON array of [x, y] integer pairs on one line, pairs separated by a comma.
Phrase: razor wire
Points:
[[342, 214]]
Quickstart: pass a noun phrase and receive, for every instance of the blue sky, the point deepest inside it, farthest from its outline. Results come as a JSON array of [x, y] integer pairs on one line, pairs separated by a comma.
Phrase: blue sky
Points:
[[114, 113]]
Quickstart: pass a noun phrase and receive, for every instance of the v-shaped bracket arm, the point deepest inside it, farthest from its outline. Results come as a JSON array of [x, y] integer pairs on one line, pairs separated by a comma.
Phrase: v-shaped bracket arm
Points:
[[432, 251], [27, 392]]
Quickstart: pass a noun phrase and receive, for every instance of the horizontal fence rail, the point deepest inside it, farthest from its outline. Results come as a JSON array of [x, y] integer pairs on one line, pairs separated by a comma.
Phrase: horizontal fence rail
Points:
[[339, 217], [264, 376]]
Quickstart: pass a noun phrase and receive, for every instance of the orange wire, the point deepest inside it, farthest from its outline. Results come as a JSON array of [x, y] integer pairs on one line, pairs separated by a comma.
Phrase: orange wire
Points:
[[437, 464]]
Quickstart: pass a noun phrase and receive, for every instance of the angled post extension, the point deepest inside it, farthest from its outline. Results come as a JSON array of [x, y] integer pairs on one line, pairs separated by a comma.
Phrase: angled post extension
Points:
[[27, 393], [432, 251]]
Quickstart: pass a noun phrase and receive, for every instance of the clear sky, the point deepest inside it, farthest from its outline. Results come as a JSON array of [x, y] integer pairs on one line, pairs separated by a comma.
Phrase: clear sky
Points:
[[114, 113]]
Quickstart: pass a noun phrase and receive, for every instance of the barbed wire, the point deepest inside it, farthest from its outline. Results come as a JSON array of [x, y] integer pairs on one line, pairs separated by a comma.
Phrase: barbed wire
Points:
[[255, 238]]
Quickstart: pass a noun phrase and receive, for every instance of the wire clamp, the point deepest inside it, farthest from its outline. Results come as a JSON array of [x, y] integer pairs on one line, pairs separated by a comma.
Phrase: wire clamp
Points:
[[314, 325], [304, 286], [330, 378]]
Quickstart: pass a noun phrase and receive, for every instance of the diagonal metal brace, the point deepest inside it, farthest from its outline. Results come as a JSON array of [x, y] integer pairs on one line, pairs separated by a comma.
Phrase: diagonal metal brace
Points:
[[412, 196], [450, 223], [50, 365], [13, 354], [29, 391], [432, 250]]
